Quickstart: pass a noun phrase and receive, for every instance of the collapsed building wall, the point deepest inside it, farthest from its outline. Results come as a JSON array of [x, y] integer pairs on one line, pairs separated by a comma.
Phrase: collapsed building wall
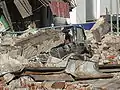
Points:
[[22, 13], [42, 16]]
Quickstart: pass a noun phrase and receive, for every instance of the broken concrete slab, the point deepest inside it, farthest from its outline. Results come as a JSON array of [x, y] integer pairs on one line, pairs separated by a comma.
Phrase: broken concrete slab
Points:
[[100, 28], [8, 77], [42, 41], [7, 41], [7, 64]]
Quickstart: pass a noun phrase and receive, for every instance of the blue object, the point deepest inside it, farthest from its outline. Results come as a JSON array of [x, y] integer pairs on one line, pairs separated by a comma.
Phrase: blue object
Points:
[[86, 26]]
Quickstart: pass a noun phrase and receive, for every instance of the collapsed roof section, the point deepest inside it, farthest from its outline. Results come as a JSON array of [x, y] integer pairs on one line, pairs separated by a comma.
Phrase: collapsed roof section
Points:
[[24, 7], [22, 12], [59, 7]]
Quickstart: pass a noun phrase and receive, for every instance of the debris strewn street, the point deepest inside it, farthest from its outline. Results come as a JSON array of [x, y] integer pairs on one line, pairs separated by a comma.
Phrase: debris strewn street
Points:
[[59, 45]]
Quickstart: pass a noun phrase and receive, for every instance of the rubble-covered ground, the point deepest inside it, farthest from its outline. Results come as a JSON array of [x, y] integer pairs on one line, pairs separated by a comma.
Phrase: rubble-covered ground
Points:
[[27, 83], [106, 46], [107, 51], [19, 52]]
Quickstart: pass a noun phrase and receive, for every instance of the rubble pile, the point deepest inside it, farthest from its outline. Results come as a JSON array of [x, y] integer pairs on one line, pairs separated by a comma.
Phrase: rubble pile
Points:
[[107, 51], [100, 28], [17, 52], [106, 47], [27, 83], [33, 50]]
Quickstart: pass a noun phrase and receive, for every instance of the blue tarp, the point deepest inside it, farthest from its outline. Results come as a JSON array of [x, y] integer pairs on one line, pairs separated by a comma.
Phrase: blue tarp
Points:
[[86, 26]]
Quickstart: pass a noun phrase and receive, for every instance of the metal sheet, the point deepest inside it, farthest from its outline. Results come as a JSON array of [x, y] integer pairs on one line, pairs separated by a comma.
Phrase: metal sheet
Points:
[[109, 70], [60, 9], [53, 77], [46, 69], [26, 4], [110, 66], [23, 7], [44, 2], [83, 70], [38, 73], [100, 76]]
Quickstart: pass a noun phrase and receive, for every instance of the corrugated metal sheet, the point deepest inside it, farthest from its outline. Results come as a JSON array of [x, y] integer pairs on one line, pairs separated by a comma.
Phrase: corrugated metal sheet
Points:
[[44, 2], [23, 7], [60, 9]]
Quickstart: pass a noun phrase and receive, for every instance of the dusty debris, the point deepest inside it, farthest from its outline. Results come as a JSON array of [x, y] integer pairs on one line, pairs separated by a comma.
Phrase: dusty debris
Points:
[[108, 51], [33, 50], [103, 44], [7, 41], [16, 51], [95, 57], [27, 83], [22, 82], [41, 41], [8, 64], [8, 77]]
